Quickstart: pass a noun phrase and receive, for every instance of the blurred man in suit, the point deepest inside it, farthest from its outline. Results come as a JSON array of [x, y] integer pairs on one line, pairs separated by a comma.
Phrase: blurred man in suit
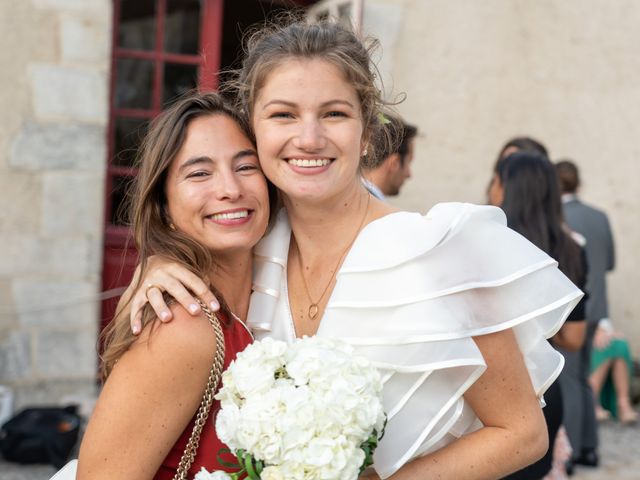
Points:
[[392, 168], [593, 225]]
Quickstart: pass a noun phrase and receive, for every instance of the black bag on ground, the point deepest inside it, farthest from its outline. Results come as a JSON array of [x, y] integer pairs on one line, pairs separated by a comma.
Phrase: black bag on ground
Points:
[[40, 435]]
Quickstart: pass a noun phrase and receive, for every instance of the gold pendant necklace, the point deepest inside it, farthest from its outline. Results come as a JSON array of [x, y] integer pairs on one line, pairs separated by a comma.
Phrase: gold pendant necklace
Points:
[[314, 307]]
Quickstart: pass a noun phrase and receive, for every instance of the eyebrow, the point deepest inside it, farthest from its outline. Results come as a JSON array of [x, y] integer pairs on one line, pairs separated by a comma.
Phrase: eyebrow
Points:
[[247, 152], [323, 104]]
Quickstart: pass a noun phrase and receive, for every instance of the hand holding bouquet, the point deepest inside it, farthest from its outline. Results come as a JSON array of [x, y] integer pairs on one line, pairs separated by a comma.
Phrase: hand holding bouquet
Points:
[[309, 410]]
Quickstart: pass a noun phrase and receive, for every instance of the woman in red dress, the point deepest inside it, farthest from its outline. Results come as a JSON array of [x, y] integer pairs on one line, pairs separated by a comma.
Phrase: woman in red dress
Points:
[[201, 199]]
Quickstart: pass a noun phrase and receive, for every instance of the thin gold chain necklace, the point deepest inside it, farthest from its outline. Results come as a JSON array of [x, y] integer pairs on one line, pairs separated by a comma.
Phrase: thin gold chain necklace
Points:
[[314, 308]]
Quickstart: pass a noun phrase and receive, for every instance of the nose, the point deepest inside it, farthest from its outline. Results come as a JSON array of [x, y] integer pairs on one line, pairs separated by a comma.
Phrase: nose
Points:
[[310, 136], [228, 187]]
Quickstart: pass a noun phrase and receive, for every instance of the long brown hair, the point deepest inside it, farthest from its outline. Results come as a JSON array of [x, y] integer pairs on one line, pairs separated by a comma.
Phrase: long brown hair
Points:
[[534, 209], [152, 232]]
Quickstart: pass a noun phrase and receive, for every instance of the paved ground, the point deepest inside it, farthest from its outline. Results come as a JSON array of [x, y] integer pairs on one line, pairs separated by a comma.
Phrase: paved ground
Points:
[[620, 456]]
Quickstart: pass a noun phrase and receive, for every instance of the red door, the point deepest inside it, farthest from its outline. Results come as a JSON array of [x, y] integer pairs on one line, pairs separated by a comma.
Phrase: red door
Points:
[[160, 49]]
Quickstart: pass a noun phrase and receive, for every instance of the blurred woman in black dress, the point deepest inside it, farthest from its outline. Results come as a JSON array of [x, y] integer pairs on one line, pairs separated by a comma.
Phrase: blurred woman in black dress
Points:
[[526, 188]]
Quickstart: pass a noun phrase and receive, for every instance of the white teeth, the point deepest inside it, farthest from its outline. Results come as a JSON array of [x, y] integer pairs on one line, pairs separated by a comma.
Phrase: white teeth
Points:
[[315, 162], [231, 215]]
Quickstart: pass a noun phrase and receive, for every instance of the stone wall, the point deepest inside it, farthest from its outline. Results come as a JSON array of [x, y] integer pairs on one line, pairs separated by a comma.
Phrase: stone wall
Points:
[[54, 94], [478, 73]]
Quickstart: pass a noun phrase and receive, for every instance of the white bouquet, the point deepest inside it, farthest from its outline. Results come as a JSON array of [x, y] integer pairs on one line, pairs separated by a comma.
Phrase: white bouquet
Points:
[[309, 410]]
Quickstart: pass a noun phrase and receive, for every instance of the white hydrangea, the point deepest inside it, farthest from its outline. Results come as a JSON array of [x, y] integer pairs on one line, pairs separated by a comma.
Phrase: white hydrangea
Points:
[[303, 409], [204, 475]]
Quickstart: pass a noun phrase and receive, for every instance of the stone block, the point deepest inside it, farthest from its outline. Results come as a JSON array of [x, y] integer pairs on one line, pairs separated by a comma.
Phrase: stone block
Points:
[[24, 254], [55, 303], [16, 353], [66, 353], [53, 392], [21, 191], [69, 93], [84, 38], [49, 147], [104, 5], [72, 203]]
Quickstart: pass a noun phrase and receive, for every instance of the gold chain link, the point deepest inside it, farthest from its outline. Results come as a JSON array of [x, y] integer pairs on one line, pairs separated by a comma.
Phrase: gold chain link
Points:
[[191, 449]]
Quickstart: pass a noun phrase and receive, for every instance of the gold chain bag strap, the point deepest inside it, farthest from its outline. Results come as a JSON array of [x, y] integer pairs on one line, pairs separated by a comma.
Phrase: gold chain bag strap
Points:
[[190, 450]]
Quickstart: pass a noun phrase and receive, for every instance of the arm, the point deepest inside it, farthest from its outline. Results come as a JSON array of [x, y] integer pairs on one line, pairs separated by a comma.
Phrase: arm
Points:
[[571, 336], [163, 275], [611, 254], [514, 433], [148, 400]]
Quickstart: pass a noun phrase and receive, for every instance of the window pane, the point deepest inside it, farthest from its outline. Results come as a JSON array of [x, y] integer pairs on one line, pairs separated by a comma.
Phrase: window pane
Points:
[[134, 83], [178, 79], [128, 133], [182, 27], [120, 199], [137, 24]]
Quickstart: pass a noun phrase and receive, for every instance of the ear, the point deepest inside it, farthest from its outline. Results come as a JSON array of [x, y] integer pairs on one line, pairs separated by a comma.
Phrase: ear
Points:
[[393, 162]]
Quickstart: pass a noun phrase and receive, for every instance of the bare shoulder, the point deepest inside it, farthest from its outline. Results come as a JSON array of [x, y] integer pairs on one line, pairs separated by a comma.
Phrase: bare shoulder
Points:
[[185, 339]]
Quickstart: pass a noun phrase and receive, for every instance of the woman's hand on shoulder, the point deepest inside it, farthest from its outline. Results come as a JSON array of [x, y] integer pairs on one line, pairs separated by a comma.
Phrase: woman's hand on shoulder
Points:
[[163, 275]]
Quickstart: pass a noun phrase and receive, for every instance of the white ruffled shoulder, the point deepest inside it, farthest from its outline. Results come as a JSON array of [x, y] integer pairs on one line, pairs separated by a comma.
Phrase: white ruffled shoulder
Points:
[[411, 293]]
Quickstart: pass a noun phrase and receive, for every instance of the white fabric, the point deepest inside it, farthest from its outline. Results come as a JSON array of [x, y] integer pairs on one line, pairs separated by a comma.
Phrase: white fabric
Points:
[[68, 472], [410, 294]]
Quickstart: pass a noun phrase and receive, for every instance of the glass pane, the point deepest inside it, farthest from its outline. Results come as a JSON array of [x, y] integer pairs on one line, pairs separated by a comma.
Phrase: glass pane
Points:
[[134, 83], [128, 133], [137, 24], [120, 199], [178, 79], [182, 27]]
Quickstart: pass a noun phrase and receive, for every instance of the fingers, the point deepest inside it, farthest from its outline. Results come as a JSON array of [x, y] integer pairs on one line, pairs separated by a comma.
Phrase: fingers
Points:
[[201, 289], [179, 281], [177, 290], [135, 315], [156, 300]]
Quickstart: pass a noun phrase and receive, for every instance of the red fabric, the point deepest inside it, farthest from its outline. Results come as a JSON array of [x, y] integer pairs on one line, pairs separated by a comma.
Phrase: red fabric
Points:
[[236, 338]]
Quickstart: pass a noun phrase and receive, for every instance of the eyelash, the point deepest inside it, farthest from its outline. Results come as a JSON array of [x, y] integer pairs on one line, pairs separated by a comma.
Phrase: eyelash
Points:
[[199, 173], [247, 167], [332, 114], [280, 115]]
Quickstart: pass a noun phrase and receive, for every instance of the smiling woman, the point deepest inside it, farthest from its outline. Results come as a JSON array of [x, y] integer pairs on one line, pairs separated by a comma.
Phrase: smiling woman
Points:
[[201, 199], [441, 303], [217, 198]]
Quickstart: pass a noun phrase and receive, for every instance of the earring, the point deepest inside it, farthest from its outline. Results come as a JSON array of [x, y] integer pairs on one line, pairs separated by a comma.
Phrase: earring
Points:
[[365, 151], [172, 227]]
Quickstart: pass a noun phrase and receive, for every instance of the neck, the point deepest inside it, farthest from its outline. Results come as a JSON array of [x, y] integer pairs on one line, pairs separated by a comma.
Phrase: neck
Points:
[[232, 278], [376, 177], [322, 227]]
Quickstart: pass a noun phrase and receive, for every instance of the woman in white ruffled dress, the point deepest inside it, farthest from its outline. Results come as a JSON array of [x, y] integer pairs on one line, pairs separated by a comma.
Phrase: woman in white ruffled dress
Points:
[[453, 307]]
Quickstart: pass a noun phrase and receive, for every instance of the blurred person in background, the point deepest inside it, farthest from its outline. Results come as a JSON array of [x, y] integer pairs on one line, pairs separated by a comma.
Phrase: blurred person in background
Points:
[[611, 371], [526, 188], [392, 165], [610, 359], [516, 144]]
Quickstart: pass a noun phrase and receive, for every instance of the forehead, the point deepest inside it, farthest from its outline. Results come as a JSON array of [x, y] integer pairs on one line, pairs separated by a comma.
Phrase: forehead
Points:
[[215, 135], [311, 79], [214, 130]]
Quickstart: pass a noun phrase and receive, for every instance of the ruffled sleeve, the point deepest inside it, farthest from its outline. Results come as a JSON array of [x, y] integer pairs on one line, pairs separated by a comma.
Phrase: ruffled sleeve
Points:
[[412, 293]]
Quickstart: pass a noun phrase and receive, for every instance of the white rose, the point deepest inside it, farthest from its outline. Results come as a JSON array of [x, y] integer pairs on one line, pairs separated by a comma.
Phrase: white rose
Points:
[[217, 475], [227, 421], [272, 473]]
